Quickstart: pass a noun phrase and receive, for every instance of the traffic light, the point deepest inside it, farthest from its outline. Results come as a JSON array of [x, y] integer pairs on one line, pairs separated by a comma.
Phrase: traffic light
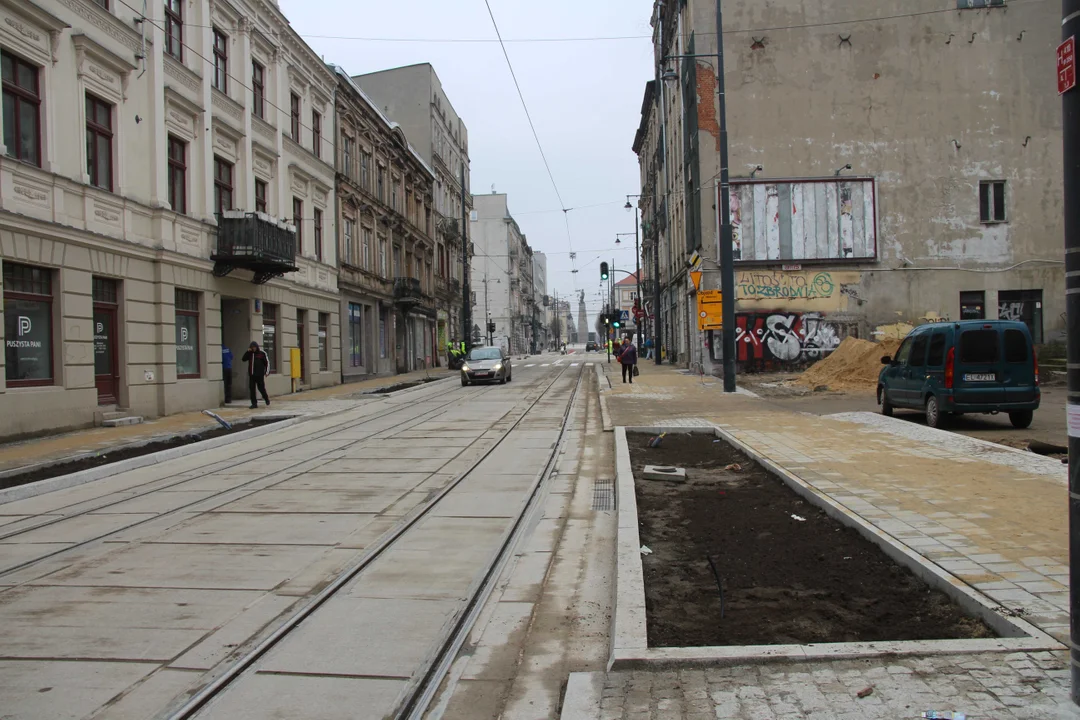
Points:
[[605, 319], [604, 274], [615, 322], [491, 327]]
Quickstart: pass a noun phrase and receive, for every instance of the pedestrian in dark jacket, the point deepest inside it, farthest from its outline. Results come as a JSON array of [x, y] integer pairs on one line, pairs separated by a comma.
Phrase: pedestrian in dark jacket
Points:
[[257, 366], [628, 358]]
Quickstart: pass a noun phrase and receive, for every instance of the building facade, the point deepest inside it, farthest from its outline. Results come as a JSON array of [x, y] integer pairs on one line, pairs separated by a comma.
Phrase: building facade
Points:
[[907, 170], [166, 190], [502, 275], [413, 97], [541, 303], [385, 221]]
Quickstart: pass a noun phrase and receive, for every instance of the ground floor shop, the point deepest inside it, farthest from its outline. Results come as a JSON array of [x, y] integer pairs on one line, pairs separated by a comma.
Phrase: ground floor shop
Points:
[[93, 325]]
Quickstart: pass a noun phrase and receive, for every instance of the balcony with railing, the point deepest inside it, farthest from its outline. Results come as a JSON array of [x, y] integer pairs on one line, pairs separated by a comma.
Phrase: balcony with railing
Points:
[[256, 242]]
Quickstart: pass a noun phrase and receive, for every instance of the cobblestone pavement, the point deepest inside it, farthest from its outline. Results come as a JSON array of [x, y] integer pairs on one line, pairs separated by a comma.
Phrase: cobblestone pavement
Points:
[[993, 518], [994, 686]]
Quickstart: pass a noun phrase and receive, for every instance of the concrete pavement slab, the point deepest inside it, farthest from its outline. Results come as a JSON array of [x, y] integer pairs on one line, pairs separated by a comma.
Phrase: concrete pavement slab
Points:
[[236, 567], [6, 520], [158, 502], [353, 481], [495, 656], [268, 528], [264, 696], [486, 482], [351, 502], [527, 582], [422, 574], [238, 633], [500, 504], [14, 555], [76, 529], [381, 452], [318, 574], [364, 636], [147, 698], [402, 464], [36, 689], [220, 482]]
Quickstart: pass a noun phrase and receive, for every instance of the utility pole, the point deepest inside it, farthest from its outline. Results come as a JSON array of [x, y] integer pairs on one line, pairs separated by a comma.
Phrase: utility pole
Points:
[[727, 247], [466, 296], [1070, 104]]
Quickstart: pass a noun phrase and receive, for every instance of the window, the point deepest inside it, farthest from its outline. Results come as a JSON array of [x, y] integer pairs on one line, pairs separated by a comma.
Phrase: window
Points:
[[972, 4], [346, 155], [384, 321], [394, 193], [103, 4], [316, 134], [973, 305], [324, 341], [177, 174], [356, 334], [936, 356], [380, 189], [904, 352], [260, 196], [979, 346], [298, 221], [99, 138], [22, 109], [187, 334], [1016, 347], [294, 104], [318, 234], [174, 28], [365, 171], [347, 242], [269, 343], [812, 220], [223, 185], [918, 351], [992, 201], [383, 270], [258, 89], [221, 61], [365, 248], [28, 330]]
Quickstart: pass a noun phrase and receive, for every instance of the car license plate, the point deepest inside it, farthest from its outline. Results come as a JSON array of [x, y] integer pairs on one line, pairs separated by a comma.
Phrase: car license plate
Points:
[[980, 377]]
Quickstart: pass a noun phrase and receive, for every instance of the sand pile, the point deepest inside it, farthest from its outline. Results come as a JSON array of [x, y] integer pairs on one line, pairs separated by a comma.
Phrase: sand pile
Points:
[[855, 364]]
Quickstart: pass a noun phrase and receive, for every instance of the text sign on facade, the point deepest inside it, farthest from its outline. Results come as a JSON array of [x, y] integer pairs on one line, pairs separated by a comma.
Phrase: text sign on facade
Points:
[[1066, 66], [710, 310]]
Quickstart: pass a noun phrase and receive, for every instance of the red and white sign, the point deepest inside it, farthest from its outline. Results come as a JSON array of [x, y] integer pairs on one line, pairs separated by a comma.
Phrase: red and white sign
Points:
[[1066, 66]]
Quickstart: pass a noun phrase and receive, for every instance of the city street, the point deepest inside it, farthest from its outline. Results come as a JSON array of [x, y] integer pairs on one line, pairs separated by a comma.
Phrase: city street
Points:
[[123, 597]]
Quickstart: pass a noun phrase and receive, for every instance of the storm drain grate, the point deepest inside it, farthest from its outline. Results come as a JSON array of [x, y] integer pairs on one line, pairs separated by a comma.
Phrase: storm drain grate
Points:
[[603, 496]]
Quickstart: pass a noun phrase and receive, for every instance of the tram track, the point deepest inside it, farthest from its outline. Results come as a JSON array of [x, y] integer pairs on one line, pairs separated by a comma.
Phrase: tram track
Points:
[[217, 467], [423, 684]]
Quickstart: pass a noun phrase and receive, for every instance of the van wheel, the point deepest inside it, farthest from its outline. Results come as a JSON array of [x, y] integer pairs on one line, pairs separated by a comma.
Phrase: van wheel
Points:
[[464, 382], [883, 401], [934, 417], [1021, 418]]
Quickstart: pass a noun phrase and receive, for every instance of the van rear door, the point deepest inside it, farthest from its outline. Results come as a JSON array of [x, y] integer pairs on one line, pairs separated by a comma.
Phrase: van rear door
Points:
[[1019, 378], [979, 369]]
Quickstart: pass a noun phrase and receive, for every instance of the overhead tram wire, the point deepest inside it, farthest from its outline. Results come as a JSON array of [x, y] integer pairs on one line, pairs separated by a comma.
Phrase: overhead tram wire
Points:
[[532, 126]]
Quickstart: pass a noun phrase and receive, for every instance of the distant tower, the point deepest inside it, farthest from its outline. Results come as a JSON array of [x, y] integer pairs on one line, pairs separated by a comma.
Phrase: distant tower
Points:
[[582, 319]]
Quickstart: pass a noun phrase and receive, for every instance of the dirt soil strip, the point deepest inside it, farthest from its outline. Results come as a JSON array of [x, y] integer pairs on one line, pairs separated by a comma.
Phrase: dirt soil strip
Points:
[[790, 574]]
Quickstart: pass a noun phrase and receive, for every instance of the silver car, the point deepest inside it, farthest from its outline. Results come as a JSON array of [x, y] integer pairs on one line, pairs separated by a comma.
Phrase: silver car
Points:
[[486, 364]]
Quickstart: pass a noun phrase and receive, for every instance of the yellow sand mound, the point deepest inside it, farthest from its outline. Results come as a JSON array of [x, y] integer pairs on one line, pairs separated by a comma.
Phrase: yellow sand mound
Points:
[[854, 365]]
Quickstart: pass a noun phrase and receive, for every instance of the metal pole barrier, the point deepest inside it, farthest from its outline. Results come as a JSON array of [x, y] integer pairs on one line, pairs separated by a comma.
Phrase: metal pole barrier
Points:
[[727, 249]]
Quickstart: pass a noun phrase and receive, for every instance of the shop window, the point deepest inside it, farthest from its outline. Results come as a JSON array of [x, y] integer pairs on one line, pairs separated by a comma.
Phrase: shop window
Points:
[[187, 334], [28, 325], [973, 305], [356, 334], [269, 341], [324, 342]]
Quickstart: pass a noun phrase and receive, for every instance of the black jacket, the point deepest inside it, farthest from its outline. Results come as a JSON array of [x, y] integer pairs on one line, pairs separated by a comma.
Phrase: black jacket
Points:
[[257, 362]]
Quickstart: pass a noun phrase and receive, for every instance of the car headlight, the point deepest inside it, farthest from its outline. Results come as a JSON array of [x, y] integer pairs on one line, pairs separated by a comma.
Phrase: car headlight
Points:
[[465, 368], [498, 367]]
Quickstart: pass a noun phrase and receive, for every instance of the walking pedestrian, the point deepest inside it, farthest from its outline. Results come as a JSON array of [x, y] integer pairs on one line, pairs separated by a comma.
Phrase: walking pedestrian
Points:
[[649, 349], [258, 365], [226, 372], [628, 358]]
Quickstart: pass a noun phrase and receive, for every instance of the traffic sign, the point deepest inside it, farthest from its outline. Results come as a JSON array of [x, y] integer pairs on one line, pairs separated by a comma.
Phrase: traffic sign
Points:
[[710, 310], [1066, 66], [624, 316]]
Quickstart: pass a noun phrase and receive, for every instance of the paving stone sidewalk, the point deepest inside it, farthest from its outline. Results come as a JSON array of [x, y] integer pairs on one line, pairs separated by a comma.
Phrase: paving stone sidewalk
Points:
[[993, 517], [321, 401]]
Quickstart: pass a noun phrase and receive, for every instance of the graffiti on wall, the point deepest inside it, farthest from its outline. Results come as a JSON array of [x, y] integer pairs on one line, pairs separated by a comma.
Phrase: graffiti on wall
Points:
[[786, 338], [772, 284], [1011, 311]]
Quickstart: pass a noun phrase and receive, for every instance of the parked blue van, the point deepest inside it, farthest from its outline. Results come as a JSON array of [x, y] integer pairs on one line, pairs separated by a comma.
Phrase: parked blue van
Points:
[[974, 366]]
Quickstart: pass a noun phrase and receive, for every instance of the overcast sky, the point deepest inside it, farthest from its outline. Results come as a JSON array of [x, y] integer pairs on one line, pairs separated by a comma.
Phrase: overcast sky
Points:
[[585, 100]]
